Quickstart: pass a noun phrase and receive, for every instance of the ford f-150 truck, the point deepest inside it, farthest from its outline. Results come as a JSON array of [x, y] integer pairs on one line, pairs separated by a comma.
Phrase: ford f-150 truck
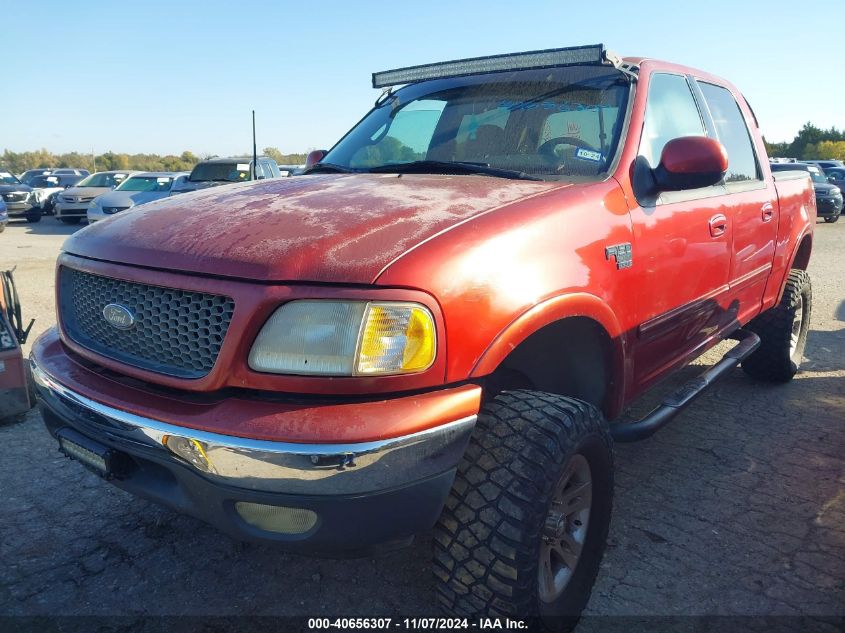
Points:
[[441, 321]]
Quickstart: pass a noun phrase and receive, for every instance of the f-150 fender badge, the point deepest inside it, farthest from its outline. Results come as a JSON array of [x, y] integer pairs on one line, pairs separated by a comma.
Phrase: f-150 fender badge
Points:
[[622, 253]]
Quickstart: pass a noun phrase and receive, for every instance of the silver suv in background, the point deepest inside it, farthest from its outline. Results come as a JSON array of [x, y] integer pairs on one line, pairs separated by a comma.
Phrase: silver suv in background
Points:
[[138, 189], [18, 197], [221, 171], [72, 205]]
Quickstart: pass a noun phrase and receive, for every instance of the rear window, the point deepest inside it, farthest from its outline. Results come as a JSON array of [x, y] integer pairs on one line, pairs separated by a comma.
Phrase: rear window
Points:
[[221, 172], [732, 132]]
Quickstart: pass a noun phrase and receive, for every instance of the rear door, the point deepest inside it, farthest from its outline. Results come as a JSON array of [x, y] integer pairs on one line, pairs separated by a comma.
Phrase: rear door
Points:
[[750, 203], [682, 243]]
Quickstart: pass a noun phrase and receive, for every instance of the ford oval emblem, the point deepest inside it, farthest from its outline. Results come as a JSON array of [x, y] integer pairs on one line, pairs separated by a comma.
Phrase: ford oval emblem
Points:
[[118, 316]]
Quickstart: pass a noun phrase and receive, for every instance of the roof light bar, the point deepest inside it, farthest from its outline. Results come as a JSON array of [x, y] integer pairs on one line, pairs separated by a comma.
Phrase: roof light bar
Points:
[[549, 58]]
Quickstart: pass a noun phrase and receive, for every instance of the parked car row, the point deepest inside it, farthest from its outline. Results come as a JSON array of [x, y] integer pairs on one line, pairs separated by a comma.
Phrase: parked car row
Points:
[[29, 174], [75, 194]]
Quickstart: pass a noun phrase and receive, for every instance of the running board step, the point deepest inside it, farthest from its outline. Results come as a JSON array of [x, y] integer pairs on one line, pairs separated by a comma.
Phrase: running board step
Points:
[[680, 398]]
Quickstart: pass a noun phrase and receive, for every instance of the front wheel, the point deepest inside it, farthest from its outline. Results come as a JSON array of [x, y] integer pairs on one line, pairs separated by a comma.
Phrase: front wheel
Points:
[[831, 219], [525, 526], [783, 332], [33, 216]]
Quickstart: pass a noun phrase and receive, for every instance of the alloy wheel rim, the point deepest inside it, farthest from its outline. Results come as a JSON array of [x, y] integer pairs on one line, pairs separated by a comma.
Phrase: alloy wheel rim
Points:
[[565, 529], [797, 321]]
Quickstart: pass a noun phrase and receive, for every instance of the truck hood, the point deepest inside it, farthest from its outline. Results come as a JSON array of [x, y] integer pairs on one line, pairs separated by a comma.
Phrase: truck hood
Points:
[[336, 228]]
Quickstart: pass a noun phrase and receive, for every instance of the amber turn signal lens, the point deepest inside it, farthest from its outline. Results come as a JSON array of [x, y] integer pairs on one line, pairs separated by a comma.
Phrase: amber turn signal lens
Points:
[[396, 338]]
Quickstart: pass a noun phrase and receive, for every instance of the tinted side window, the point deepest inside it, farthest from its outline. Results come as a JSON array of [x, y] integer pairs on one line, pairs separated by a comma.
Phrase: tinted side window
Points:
[[732, 133], [670, 113]]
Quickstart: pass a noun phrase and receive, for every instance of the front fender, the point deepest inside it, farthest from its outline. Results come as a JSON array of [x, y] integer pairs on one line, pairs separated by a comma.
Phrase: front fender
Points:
[[579, 304]]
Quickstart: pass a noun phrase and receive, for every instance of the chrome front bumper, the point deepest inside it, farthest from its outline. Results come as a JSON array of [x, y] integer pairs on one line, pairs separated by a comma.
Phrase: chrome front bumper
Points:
[[260, 465]]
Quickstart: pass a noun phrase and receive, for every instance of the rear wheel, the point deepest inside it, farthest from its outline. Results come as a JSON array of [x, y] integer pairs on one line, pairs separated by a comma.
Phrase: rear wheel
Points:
[[524, 528], [783, 332], [70, 220]]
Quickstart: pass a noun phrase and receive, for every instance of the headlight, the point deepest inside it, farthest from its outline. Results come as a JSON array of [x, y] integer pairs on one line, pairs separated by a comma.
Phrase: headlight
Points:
[[346, 338]]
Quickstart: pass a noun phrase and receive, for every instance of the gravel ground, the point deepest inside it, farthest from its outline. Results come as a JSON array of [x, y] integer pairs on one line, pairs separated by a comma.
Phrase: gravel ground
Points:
[[735, 509]]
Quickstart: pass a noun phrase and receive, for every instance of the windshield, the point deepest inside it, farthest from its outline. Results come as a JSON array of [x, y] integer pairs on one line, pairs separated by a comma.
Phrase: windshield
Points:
[[43, 182], [147, 183], [816, 175], [30, 174], [103, 179], [8, 179], [220, 172], [558, 123]]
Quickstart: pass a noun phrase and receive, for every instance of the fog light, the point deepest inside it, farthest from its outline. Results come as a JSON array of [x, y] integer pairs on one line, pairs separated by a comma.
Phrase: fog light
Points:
[[279, 519]]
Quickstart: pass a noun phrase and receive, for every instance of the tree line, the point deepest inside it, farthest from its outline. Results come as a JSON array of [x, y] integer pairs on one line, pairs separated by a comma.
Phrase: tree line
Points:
[[811, 143], [19, 162]]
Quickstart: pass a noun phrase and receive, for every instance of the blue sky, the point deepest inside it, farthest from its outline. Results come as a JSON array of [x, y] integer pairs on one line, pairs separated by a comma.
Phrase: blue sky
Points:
[[162, 77]]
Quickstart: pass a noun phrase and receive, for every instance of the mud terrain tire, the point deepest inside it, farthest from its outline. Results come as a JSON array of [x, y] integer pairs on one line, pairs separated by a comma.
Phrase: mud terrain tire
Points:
[[512, 504], [783, 332]]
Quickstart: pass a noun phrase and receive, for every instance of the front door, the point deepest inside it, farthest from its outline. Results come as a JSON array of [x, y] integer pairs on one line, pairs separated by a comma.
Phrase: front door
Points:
[[682, 244]]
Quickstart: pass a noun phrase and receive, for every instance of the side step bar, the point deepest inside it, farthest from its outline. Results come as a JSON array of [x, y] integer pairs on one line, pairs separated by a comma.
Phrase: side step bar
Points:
[[677, 400]]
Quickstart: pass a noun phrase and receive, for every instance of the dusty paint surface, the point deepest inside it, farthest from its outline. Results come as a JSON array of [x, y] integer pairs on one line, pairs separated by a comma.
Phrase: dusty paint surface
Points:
[[335, 228]]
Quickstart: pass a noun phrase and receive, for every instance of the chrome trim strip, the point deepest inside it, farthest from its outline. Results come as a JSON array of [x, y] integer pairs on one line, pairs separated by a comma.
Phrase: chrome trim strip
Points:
[[282, 467]]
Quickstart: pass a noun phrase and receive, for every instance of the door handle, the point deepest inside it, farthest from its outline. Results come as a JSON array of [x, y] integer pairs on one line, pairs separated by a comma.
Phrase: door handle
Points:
[[718, 225], [767, 212]]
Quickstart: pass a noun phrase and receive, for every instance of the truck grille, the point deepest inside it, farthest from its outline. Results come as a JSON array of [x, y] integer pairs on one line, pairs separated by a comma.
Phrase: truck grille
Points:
[[15, 196], [175, 332]]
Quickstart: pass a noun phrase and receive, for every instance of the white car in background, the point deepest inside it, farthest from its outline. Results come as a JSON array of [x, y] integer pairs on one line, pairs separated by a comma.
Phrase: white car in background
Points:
[[45, 189], [137, 189]]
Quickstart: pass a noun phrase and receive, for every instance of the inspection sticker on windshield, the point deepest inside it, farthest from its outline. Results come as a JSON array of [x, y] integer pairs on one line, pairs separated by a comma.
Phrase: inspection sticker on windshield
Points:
[[586, 154]]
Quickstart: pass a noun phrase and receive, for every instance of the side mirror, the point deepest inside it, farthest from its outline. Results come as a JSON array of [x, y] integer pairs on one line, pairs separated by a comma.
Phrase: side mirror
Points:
[[314, 157], [691, 162], [831, 179]]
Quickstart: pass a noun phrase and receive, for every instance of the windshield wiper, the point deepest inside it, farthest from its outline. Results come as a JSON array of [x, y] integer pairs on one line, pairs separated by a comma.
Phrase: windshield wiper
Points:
[[329, 168], [450, 167]]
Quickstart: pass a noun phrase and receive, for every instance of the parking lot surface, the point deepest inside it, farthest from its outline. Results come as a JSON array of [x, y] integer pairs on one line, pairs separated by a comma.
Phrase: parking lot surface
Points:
[[736, 508]]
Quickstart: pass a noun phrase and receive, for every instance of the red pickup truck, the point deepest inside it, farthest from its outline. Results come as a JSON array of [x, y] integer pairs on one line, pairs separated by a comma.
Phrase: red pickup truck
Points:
[[441, 322]]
